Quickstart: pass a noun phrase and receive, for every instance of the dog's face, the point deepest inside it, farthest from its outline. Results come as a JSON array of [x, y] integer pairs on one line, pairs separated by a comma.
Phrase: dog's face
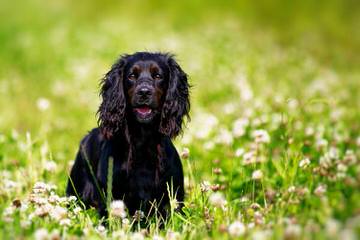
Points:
[[147, 88], [145, 85]]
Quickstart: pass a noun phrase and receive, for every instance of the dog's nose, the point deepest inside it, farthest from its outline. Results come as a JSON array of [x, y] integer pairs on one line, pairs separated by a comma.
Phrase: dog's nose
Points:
[[144, 92]]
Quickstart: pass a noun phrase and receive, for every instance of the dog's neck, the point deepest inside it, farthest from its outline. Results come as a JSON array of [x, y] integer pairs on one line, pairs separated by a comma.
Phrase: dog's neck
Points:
[[147, 133]]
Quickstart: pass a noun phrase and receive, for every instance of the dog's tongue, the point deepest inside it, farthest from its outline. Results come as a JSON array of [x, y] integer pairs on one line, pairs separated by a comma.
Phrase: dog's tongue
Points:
[[143, 110]]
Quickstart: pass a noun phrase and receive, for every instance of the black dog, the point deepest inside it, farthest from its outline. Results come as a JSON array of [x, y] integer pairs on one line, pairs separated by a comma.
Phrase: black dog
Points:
[[145, 97]]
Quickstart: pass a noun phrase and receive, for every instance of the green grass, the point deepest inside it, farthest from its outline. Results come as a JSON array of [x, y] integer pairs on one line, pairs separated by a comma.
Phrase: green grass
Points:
[[288, 68]]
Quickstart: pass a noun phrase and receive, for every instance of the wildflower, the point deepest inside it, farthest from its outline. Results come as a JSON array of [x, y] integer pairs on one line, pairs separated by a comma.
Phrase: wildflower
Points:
[[342, 167], [138, 215], [50, 166], [55, 235], [249, 157], [58, 213], [304, 163], [217, 199], [292, 231], [100, 229], [120, 234], [358, 141], [43, 104], [43, 210], [65, 222], [350, 157], [77, 210], [41, 234], [236, 229], [157, 237], [239, 127], [261, 136], [185, 153], [291, 189], [321, 143], [224, 137], [239, 152], [309, 131], [205, 186], [117, 209], [258, 218], [136, 236], [262, 235], [9, 184], [320, 190], [25, 223], [170, 235], [209, 145], [217, 171], [333, 153], [257, 175], [332, 227]]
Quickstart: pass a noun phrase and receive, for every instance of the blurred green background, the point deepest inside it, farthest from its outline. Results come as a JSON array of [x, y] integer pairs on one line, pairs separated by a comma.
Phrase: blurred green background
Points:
[[53, 54]]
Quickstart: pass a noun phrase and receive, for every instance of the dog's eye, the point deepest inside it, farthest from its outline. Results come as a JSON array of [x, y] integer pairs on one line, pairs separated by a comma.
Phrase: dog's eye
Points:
[[132, 76], [157, 76]]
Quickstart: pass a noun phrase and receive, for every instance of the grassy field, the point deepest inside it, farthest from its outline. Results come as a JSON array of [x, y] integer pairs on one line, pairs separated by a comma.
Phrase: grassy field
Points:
[[273, 148]]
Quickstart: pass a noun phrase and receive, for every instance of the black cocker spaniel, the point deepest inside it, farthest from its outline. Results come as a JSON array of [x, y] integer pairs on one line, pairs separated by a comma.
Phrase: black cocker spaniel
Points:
[[145, 97]]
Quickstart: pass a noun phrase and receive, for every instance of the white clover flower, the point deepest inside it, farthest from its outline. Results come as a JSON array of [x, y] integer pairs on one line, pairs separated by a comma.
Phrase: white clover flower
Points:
[[239, 152], [43, 104], [41, 234], [25, 223], [224, 137], [348, 234], [120, 234], [209, 145], [321, 143], [239, 127], [350, 157], [257, 175], [185, 153], [358, 141], [58, 213], [137, 236], [9, 184], [309, 131], [236, 229], [43, 210], [291, 189], [40, 187], [262, 235], [55, 235], [217, 199], [261, 136], [332, 227], [117, 209], [205, 186], [304, 163], [53, 198], [320, 190], [77, 210], [50, 166], [157, 237], [249, 158], [342, 168], [100, 229], [333, 153], [292, 231], [170, 235]]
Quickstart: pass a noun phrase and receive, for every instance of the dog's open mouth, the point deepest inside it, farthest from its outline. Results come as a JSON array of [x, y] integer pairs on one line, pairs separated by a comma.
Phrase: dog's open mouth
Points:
[[143, 111]]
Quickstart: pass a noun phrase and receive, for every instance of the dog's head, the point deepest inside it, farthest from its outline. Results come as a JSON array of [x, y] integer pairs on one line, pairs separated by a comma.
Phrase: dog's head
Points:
[[147, 88]]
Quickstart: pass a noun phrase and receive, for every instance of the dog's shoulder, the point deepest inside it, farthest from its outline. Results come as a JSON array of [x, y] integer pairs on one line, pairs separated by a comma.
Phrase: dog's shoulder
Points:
[[92, 143]]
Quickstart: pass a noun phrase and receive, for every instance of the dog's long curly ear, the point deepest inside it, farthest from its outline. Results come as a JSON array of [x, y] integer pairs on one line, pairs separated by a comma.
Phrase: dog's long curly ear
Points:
[[177, 103], [112, 109]]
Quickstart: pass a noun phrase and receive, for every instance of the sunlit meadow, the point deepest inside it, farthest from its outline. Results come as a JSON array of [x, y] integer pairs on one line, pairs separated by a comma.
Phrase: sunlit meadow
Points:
[[273, 147]]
